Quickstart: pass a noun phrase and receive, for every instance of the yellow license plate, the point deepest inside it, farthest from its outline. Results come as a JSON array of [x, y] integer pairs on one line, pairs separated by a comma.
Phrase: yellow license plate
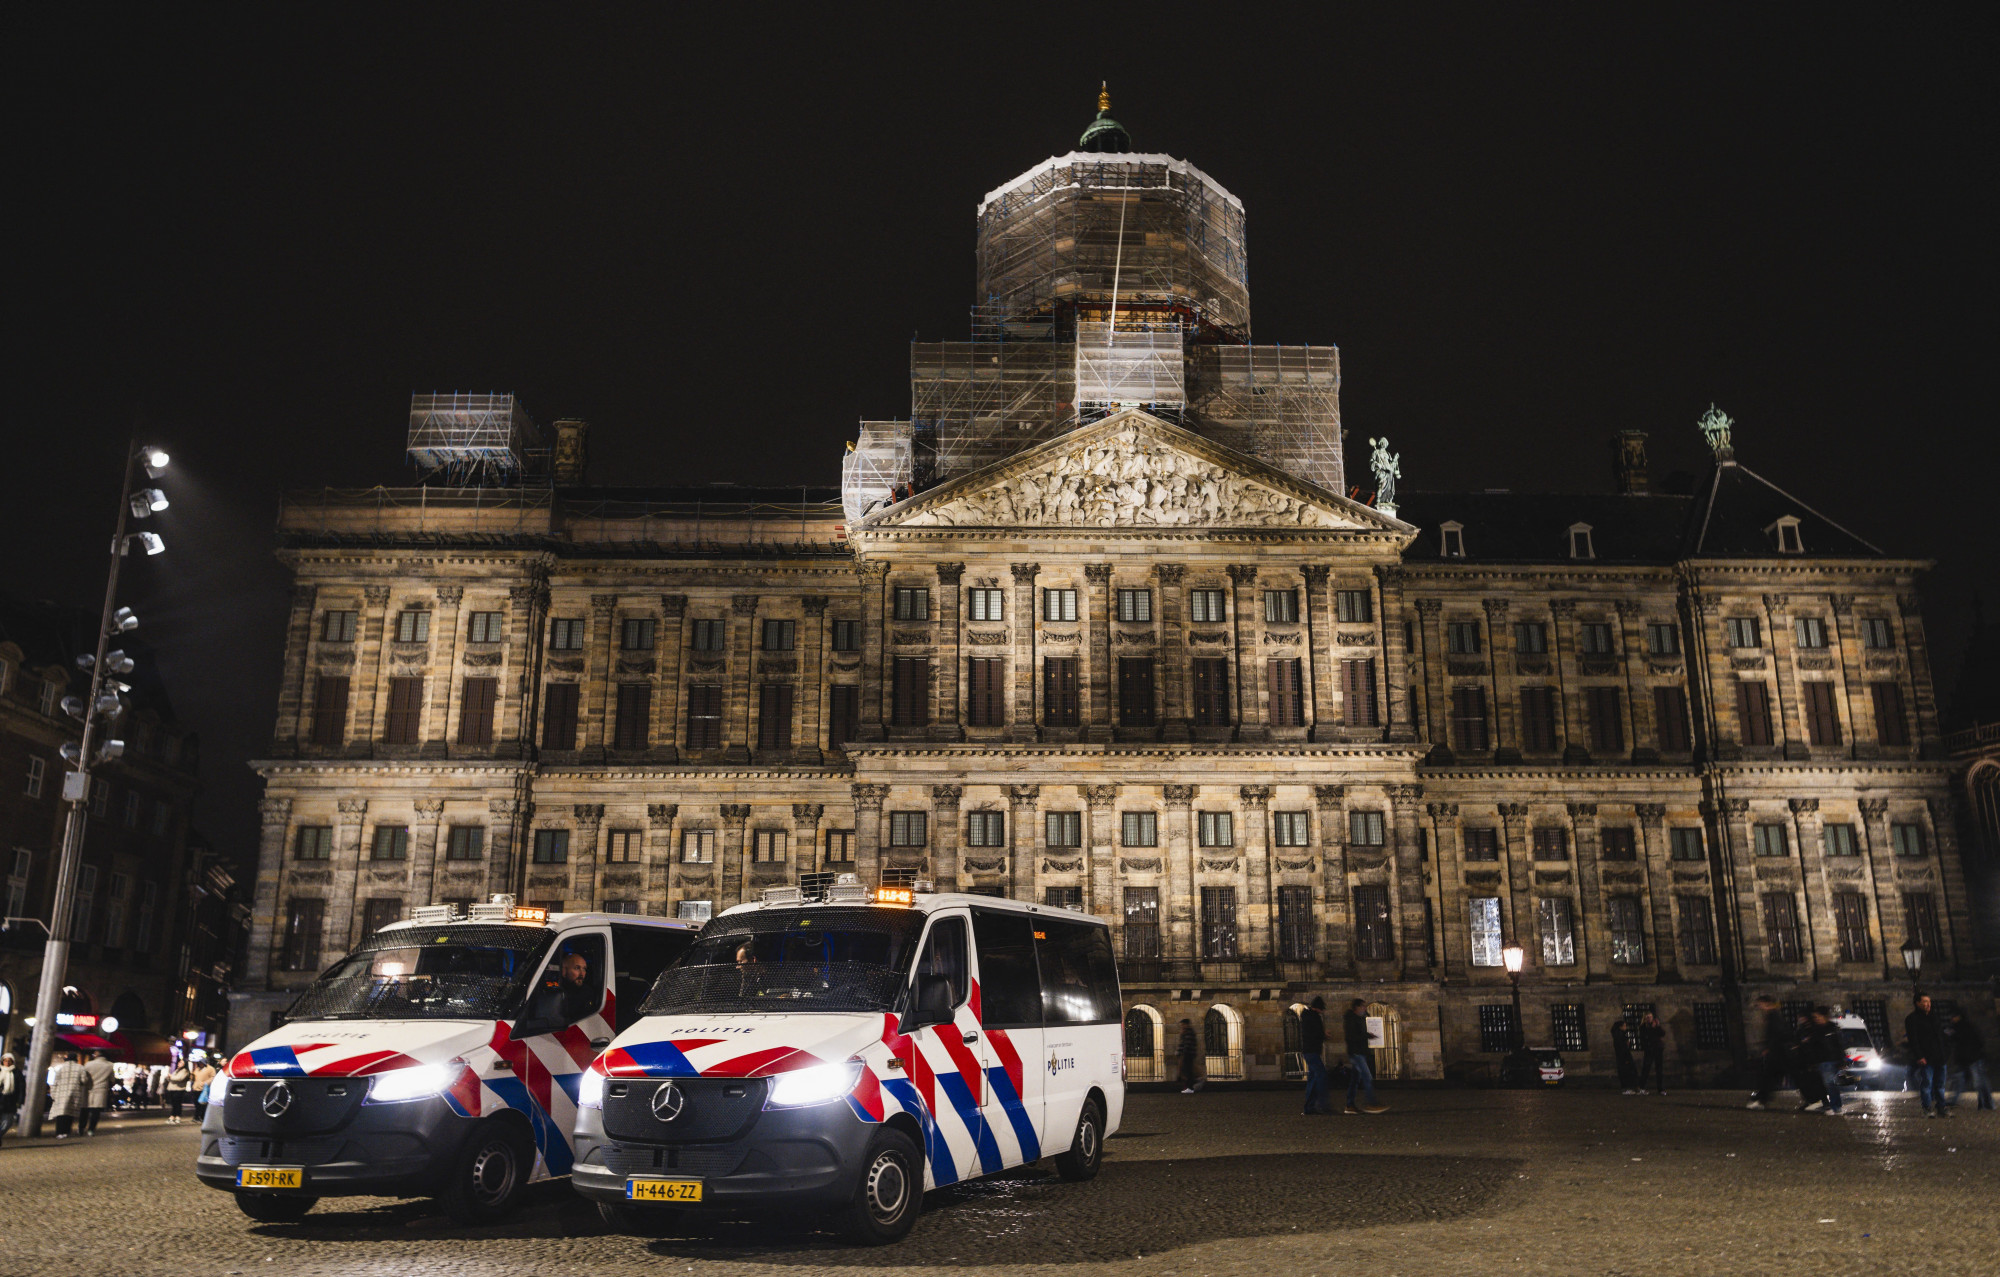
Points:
[[663, 1190], [270, 1177]]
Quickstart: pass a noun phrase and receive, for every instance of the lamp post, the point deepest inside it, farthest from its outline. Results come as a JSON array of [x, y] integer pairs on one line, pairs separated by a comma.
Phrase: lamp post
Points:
[[1913, 961], [1513, 956], [99, 711]]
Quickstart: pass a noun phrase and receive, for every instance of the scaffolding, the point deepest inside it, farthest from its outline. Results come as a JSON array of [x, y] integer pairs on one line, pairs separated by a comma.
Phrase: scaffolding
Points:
[[973, 403], [1280, 404], [468, 440], [876, 468], [1130, 367]]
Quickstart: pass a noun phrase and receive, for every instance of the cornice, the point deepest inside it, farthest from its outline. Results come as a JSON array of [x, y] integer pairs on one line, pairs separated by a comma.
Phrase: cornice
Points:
[[1075, 749]]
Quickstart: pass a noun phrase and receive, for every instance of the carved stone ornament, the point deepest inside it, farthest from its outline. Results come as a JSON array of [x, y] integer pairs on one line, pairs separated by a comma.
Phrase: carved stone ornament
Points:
[[1024, 573], [1170, 574], [1054, 637], [1348, 638], [341, 659], [1296, 866], [660, 815], [1482, 877], [1441, 811], [1815, 662], [911, 638], [1255, 796], [430, 808], [1778, 872], [1622, 877], [1466, 669], [1061, 866], [1208, 636], [1538, 669], [1548, 876], [352, 806], [949, 573], [1650, 814], [388, 875], [736, 811], [450, 594], [548, 880], [310, 875], [1329, 796], [620, 880], [1218, 866], [673, 606], [567, 664], [1125, 478], [627, 664], [986, 638], [982, 866], [1802, 805], [1140, 865], [1144, 638], [1181, 796], [588, 813], [375, 595], [1292, 637], [778, 665], [1874, 808], [807, 813], [1023, 795], [1746, 662], [485, 660], [1597, 668], [743, 604], [869, 797], [1878, 661], [703, 664], [688, 879], [1690, 875], [1663, 667]]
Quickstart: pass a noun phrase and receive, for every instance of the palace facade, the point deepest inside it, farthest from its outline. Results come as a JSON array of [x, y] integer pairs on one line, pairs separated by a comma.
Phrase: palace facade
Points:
[[1103, 625]]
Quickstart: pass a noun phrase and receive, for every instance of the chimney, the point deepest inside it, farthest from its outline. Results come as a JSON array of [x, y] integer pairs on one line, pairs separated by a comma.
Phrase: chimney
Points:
[[1628, 462], [572, 440]]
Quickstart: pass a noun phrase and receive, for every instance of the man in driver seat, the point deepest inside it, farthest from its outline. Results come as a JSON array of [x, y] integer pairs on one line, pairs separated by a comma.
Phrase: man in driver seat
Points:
[[568, 999]]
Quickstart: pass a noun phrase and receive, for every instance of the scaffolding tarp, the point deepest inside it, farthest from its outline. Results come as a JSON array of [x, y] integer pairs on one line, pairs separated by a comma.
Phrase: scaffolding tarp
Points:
[[470, 433], [876, 467], [972, 403], [1280, 404], [1128, 368]]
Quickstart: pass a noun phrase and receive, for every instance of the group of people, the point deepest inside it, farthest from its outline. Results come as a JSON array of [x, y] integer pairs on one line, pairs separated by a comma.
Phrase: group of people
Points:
[[1652, 1039], [1944, 1051], [1808, 1049], [1360, 1066], [80, 1090]]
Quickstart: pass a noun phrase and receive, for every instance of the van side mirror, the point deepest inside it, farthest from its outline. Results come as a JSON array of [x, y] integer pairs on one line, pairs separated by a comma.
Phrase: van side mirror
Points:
[[534, 1026], [933, 1003]]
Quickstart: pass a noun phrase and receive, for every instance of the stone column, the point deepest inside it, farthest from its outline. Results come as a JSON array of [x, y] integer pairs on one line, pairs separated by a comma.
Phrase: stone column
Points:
[[658, 870], [1021, 726], [809, 745], [1437, 703], [339, 928], [527, 607], [371, 660], [505, 819], [1454, 923], [1261, 933], [1323, 709], [868, 832], [1178, 940], [1021, 803], [1406, 877], [1331, 801], [1252, 724], [949, 721], [1520, 921], [275, 815], [671, 642], [1100, 851], [805, 838], [1785, 675], [1571, 715], [424, 850], [1659, 887], [1954, 924], [585, 854], [1916, 680], [1506, 739], [874, 600], [1640, 731], [441, 708], [1822, 935], [1399, 724], [1097, 661], [292, 730], [1593, 936], [1176, 723], [1730, 840], [733, 873], [740, 713], [600, 658], [1880, 857], [945, 834]]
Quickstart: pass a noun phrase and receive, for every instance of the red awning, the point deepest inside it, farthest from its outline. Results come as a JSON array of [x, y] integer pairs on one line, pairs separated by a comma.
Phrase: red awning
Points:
[[90, 1042]]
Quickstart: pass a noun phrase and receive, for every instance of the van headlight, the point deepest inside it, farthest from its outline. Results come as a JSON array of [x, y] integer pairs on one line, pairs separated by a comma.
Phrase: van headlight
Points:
[[590, 1091], [821, 1084], [421, 1082]]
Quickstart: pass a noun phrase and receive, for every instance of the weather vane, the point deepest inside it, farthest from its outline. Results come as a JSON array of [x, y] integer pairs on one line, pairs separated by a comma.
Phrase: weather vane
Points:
[[1715, 427], [1388, 467]]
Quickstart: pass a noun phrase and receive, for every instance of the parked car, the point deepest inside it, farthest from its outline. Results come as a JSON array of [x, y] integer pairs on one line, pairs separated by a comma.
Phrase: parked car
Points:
[[1869, 1065]]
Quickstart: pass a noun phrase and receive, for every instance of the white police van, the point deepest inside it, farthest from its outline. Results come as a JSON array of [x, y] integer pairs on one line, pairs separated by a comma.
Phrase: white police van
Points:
[[440, 1058], [844, 1055]]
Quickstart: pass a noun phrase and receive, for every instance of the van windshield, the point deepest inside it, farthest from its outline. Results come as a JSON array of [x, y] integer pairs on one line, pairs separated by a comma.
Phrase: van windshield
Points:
[[792, 961], [1856, 1039], [415, 973]]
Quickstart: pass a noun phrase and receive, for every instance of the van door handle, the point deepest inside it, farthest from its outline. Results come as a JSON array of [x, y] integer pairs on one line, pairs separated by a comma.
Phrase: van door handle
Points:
[[970, 1037]]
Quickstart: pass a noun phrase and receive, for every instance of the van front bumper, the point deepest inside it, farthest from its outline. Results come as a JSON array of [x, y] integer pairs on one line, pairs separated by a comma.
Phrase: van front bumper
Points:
[[808, 1158], [386, 1150]]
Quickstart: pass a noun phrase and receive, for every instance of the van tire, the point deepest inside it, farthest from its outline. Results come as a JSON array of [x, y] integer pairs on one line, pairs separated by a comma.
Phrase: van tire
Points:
[[1086, 1148], [274, 1208], [890, 1194], [487, 1174]]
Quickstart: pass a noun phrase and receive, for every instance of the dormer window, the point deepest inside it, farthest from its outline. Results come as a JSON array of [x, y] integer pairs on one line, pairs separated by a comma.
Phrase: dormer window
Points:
[[1451, 539], [1786, 532], [1579, 542]]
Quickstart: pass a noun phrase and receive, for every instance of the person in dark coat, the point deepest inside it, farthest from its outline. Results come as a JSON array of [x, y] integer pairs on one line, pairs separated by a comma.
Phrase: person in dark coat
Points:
[[1968, 1061], [1927, 1056], [1621, 1054], [1653, 1051], [1821, 1055], [1360, 1060], [13, 1090], [1805, 1065], [1312, 1045], [1776, 1059], [1189, 1049]]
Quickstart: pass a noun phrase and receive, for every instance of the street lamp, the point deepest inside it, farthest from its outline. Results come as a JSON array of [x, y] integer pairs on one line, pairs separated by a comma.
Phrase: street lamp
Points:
[[1513, 956], [100, 708], [1913, 960]]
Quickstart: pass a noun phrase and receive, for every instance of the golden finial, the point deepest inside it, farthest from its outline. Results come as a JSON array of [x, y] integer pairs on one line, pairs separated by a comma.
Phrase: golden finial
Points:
[[1104, 95]]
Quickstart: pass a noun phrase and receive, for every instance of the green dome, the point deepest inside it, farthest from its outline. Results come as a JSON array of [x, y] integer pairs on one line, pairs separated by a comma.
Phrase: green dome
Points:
[[1104, 134]]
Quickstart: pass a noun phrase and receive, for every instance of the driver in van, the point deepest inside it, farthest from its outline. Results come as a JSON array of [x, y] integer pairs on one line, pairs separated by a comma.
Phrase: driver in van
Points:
[[568, 999]]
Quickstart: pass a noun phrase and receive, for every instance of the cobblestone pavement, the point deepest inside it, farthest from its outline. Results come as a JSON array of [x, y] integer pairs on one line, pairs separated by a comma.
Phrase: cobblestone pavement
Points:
[[1585, 1182]]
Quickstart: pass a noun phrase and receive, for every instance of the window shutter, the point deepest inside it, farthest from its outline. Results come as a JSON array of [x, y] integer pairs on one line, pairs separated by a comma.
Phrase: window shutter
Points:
[[774, 716], [1357, 693], [1287, 700], [704, 727], [635, 709], [1670, 719], [1607, 734], [329, 724], [1060, 704], [1891, 727], [475, 711], [843, 714], [1753, 707], [559, 716], [912, 685], [406, 700]]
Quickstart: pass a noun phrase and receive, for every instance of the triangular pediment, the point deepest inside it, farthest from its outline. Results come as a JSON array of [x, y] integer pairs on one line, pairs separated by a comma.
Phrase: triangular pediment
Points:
[[1131, 472]]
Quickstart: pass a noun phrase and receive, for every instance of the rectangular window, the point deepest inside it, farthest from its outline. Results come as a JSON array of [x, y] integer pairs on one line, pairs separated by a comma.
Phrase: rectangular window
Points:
[[1482, 844], [329, 720], [315, 842], [1217, 829], [1822, 719], [694, 910], [1207, 607], [1840, 841], [1566, 1027], [1850, 922], [847, 636], [1753, 711], [406, 710], [1462, 638], [911, 691], [1139, 829], [465, 842], [1373, 937], [304, 922], [1486, 941], [413, 627], [1366, 828], [477, 697], [987, 604], [637, 634], [909, 828], [1136, 704], [707, 636], [780, 636], [484, 627], [379, 912], [1058, 605], [1875, 633], [566, 634], [559, 715], [774, 716], [986, 829], [1711, 1026], [1211, 692], [843, 713], [1496, 1027], [1062, 898], [100, 796], [1062, 828], [1295, 924], [704, 716], [697, 846], [149, 903], [1670, 719], [1062, 706], [392, 842], [552, 846], [1686, 844], [912, 603], [17, 885], [1811, 631], [132, 809], [163, 818], [1697, 931], [1218, 922], [84, 908], [1593, 638], [985, 692], [1353, 607], [1288, 698], [768, 846], [1551, 844], [338, 627], [1468, 719], [840, 846], [37, 770], [1281, 606], [1663, 639], [1781, 926], [1142, 924], [1908, 840], [1357, 693], [1628, 931], [1743, 631], [1920, 918], [1607, 728], [1531, 638], [1135, 605], [635, 714], [1619, 843], [1538, 720], [620, 906], [1291, 828], [625, 846], [45, 700], [1769, 840], [1891, 725]]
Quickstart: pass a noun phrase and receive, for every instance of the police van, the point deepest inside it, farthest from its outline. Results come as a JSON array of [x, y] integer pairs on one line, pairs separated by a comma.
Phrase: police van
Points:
[[841, 1056], [440, 1058]]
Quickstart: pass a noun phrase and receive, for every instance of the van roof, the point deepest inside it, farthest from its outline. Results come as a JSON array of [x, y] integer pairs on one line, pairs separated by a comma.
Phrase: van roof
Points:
[[926, 902], [556, 922]]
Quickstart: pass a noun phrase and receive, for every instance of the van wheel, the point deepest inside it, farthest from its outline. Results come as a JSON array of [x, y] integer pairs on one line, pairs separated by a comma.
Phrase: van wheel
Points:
[[1086, 1150], [275, 1208], [890, 1194], [483, 1180]]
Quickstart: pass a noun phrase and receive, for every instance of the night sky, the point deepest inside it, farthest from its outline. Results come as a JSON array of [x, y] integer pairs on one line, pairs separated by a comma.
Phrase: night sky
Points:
[[1526, 226]]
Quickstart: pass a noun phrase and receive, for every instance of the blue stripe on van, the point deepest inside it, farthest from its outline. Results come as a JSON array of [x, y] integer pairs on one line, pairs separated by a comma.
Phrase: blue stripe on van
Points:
[[960, 1095], [943, 1169], [1017, 1113], [553, 1142]]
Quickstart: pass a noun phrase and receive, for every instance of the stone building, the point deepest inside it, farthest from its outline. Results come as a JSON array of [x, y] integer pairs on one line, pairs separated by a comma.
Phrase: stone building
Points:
[[1103, 625]]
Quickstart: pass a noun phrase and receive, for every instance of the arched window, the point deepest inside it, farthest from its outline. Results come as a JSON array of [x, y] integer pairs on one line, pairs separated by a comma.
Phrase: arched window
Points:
[[1139, 1034], [1983, 787], [1145, 1043], [1222, 1042], [1294, 1059]]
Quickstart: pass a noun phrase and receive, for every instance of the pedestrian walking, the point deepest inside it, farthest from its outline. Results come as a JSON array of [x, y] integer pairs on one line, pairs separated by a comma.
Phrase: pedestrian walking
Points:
[[1621, 1054], [1820, 1051], [204, 1076], [1771, 1065], [142, 1089], [179, 1078], [1805, 1065], [102, 1073], [1189, 1047], [69, 1089], [1360, 1063], [1968, 1060], [13, 1091], [1312, 1045], [1653, 1051], [1927, 1056]]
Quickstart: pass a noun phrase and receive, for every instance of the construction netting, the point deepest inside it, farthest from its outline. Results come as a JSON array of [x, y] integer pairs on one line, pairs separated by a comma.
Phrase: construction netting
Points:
[[1280, 404], [876, 470], [470, 436]]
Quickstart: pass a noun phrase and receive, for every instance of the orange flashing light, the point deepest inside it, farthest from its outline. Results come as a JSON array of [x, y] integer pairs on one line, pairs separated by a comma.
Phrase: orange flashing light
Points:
[[892, 895], [530, 913]]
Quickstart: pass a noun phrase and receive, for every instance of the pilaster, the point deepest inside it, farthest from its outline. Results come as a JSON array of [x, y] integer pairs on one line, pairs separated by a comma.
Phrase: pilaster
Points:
[[371, 659], [424, 850], [1399, 721], [671, 643], [441, 708], [1323, 709], [1664, 951], [1100, 851], [1097, 708], [809, 745], [274, 817], [738, 715], [1592, 927], [1179, 943], [1406, 877], [1331, 804], [1260, 938], [732, 886], [660, 818], [1506, 703], [948, 723], [868, 832], [1251, 722], [945, 834], [339, 928], [1026, 674], [585, 854], [874, 669], [291, 729], [601, 657], [1022, 801], [1176, 724]]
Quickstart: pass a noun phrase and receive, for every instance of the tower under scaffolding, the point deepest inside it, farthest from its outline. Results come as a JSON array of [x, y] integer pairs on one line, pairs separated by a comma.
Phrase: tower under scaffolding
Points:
[[469, 440]]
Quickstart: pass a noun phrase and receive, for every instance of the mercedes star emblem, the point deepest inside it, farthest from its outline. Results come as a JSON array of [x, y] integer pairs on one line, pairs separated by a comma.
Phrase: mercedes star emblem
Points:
[[277, 1099], [668, 1102]]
